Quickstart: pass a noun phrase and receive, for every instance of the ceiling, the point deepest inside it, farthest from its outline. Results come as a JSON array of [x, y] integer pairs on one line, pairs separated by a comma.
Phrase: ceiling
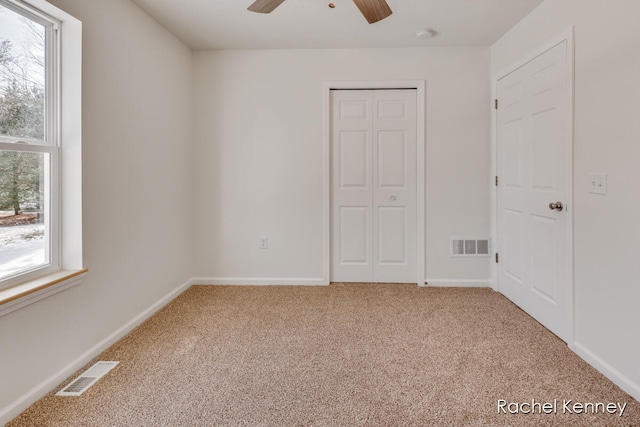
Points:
[[311, 24]]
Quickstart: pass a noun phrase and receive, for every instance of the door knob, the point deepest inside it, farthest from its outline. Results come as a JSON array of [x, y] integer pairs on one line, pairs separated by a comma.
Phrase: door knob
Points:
[[393, 198], [557, 206]]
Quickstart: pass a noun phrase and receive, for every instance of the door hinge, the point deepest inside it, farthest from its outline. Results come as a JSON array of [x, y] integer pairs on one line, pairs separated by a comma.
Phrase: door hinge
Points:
[[497, 257], [496, 181], [496, 104]]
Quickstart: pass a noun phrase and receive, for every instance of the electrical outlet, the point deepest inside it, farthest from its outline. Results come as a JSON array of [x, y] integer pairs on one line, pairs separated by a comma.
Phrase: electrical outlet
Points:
[[264, 242]]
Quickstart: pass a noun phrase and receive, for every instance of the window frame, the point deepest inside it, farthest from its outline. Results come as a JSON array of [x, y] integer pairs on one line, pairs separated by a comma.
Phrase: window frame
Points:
[[50, 145], [63, 142]]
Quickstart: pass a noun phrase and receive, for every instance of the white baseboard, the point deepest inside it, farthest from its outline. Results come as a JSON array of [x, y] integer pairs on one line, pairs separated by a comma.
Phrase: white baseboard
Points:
[[258, 281], [617, 377], [23, 402], [457, 283]]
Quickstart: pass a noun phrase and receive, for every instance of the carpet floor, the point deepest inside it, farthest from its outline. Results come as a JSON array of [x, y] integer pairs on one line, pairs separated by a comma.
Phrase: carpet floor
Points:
[[343, 355]]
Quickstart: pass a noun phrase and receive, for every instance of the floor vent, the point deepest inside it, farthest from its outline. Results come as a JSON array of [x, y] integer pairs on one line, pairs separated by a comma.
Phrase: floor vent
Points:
[[469, 247], [87, 379]]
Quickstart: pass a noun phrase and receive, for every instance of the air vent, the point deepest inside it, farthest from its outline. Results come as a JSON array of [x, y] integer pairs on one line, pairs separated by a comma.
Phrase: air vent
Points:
[[87, 379], [469, 247]]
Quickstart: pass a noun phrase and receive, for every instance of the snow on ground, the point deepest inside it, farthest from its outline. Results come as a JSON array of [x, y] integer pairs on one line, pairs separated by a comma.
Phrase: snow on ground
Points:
[[21, 248], [20, 234]]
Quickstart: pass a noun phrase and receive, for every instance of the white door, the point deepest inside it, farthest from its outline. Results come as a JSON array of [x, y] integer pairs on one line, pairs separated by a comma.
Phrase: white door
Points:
[[534, 176], [374, 183]]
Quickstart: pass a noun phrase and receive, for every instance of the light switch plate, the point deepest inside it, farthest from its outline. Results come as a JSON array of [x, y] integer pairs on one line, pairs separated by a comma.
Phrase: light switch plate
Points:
[[598, 183]]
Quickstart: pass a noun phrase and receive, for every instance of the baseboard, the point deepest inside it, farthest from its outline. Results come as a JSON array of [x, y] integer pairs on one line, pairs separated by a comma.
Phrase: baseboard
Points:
[[23, 402], [617, 377], [457, 283], [258, 281]]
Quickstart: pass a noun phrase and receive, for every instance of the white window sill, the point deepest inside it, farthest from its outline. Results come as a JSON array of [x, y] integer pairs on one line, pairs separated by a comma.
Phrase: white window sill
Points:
[[21, 295]]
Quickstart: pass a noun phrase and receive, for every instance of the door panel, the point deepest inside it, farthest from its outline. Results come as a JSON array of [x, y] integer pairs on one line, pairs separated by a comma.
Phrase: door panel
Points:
[[352, 169], [353, 158], [392, 232], [354, 238], [390, 109], [395, 194], [354, 110], [542, 277], [534, 164], [543, 165], [512, 246], [392, 159], [512, 168], [374, 173]]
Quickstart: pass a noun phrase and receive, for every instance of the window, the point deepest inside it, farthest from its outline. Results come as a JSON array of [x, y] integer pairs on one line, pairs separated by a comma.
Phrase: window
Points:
[[40, 127], [29, 150]]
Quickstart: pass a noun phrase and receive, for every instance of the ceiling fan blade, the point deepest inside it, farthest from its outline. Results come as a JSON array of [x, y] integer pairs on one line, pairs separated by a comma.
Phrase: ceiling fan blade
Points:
[[373, 10], [264, 6]]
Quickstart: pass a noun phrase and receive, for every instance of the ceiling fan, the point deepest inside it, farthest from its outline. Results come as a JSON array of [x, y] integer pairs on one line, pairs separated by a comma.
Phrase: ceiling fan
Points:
[[373, 10]]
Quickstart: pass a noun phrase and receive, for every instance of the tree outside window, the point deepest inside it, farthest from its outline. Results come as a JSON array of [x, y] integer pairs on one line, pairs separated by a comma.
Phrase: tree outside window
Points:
[[23, 128]]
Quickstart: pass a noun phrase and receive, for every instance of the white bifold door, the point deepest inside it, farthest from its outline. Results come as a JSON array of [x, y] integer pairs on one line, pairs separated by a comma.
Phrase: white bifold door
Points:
[[534, 172], [373, 200]]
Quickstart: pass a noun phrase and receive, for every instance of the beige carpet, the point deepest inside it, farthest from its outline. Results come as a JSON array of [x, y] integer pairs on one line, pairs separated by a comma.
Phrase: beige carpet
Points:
[[343, 355]]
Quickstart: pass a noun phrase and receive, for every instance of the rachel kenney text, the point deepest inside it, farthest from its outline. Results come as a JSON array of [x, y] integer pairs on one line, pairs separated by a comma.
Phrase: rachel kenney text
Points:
[[566, 406]]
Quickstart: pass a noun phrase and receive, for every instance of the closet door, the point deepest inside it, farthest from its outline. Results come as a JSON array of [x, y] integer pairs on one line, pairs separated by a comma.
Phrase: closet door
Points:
[[374, 170]]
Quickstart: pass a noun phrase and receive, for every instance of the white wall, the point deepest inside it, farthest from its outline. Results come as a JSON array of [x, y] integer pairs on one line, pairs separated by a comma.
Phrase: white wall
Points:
[[137, 93], [607, 135], [258, 150]]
